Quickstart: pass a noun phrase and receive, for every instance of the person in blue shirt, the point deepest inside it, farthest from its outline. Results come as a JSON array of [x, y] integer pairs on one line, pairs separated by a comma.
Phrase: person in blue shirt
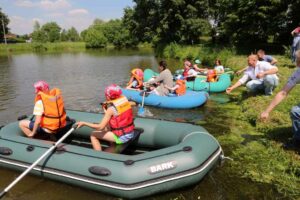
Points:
[[261, 57]]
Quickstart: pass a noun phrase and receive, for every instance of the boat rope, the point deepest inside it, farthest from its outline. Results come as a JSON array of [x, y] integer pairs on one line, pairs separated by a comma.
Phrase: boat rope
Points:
[[226, 157]]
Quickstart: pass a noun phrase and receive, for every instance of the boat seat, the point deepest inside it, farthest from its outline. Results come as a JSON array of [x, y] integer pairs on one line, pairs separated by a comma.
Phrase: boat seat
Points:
[[121, 148], [64, 130]]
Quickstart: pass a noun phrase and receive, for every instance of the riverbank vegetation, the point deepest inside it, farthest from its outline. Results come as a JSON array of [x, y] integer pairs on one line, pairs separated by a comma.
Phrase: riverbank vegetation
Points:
[[41, 47], [256, 146]]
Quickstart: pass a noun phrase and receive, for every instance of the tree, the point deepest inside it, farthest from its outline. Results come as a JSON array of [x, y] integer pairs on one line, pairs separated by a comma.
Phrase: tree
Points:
[[52, 31], [73, 35], [164, 21], [36, 26], [95, 38], [3, 19], [63, 35]]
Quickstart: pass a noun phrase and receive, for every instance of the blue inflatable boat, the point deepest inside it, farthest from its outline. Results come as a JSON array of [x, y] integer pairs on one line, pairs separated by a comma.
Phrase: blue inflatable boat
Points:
[[191, 99]]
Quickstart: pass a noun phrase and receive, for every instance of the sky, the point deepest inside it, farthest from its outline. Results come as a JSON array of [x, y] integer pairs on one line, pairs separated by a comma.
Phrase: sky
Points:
[[66, 13]]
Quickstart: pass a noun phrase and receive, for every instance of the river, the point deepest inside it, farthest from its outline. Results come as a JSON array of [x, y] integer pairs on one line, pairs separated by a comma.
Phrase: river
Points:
[[82, 77]]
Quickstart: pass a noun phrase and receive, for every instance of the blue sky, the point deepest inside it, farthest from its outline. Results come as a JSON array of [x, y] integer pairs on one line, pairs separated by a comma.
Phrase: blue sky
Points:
[[67, 13]]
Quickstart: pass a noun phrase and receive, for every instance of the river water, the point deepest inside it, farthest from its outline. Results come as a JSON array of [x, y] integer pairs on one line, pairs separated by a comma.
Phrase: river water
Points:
[[82, 77]]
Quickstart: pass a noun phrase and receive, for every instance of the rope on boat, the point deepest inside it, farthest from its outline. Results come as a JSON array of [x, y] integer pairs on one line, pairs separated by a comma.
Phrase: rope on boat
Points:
[[226, 157]]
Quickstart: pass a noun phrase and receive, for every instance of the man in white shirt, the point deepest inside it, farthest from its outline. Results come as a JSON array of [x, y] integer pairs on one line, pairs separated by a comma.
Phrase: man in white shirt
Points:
[[259, 75]]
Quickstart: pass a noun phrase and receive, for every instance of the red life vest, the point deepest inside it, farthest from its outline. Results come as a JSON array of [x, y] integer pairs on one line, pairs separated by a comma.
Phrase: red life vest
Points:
[[182, 87], [185, 73], [54, 116], [122, 123]]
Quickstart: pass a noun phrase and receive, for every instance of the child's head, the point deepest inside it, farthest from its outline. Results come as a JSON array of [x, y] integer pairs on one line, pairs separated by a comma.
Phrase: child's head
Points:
[[136, 72], [41, 86], [218, 62], [113, 92], [187, 64]]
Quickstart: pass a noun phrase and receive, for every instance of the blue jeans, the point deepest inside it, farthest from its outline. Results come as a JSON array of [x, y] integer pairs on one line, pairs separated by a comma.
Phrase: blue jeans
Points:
[[295, 116], [268, 85], [295, 47]]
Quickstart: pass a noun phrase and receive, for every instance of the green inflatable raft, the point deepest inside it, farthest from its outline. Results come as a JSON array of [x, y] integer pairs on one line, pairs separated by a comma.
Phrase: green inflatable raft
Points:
[[199, 83], [163, 156]]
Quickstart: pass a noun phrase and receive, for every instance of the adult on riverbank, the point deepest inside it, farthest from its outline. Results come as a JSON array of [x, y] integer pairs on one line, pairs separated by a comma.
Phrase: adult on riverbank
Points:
[[296, 42], [259, 75], [295, 112], [48, 110], [261, 57], [164, 78]]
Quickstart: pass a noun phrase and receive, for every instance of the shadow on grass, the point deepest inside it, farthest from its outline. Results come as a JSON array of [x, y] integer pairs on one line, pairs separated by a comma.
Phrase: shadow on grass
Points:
[[280, 135]]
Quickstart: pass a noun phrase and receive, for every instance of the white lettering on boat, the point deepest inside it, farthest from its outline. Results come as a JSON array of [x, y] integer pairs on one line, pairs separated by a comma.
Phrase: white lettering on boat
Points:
[[162, 167]]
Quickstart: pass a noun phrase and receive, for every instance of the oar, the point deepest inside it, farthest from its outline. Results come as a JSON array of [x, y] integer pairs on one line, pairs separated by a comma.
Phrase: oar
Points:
[[36, 162], [141, 111]]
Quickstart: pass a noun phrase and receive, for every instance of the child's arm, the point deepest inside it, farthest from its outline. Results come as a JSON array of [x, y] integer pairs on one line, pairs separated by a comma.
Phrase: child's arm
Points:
[[172, 88]]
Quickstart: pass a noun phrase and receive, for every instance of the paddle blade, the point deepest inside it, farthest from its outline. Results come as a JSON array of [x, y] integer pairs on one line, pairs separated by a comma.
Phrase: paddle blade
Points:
[[141, 111]]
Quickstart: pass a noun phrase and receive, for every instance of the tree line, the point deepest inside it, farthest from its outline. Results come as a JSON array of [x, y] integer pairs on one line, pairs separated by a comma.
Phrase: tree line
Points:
[[235, 22]]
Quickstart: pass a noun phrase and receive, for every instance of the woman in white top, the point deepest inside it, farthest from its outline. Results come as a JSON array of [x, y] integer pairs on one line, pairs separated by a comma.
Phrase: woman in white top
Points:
[[218, 66]]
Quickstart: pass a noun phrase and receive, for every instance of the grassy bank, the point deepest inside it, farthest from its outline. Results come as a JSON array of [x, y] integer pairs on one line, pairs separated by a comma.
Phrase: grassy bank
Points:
[[255, 146], [41, 47]]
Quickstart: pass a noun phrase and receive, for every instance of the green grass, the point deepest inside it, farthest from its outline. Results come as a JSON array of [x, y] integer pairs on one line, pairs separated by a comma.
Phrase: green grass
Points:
[[256, 146], [41, 47]]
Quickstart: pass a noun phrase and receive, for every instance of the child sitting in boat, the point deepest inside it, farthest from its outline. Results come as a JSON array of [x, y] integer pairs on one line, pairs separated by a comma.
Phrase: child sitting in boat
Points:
[[136, 79], [211, 75], [180, 86], [50, 115], [219, 67], [117, 125], [189, 71]]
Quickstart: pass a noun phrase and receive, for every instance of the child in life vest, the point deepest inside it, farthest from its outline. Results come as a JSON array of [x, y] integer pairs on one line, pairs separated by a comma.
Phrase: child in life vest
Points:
[[117, 125], [49, 112], [211, 75], [180, 86], [136, 79]]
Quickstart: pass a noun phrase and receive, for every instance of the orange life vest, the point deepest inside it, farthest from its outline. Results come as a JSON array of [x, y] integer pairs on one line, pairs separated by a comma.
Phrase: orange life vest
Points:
[[138, 75], [182, 87], [211, 75], [122, 123], [54, 116], [139, 80]]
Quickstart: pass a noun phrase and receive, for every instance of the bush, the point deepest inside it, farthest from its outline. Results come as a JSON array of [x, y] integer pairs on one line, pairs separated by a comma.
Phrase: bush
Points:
[[95, 39]]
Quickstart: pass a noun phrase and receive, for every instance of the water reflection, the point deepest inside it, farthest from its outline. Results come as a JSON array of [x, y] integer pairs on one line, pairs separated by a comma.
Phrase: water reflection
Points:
[[81, 76]]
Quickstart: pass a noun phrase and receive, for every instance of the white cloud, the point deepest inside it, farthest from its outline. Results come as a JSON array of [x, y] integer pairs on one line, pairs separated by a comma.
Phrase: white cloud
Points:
[[55, 15], [20, 25], [26, 3], [54, 5], [78, 12], [80, 23]]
